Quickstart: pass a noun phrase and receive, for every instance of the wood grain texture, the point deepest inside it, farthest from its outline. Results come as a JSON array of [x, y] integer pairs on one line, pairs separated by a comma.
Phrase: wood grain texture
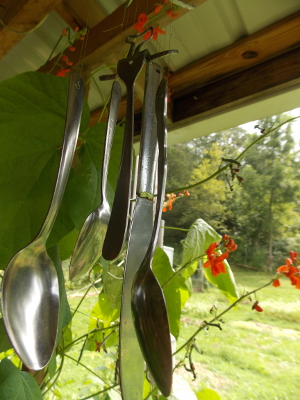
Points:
[[268, 77], [19, 17], [263, 45], [80, 13]]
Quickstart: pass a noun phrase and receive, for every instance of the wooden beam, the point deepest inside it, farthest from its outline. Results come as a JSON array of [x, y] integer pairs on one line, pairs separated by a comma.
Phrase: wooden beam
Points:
[[263, 45], [19, 17], [80, 13], [272, 75], [106, 39]]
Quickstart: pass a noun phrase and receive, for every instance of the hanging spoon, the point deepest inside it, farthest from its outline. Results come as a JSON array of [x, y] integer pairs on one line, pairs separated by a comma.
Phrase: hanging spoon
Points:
[[89, 243], [30, 291], [148, 302]]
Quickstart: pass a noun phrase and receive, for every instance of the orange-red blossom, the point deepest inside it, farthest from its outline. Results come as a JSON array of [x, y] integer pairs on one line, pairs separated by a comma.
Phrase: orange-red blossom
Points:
[[290, 271], [215, 260], [171, 198]]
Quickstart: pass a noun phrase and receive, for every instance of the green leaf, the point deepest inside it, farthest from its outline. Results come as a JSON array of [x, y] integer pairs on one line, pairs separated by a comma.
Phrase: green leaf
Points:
[[4, 341], [17, 385], [176, 292], [225, 282], [65, 314], [67, 244], [102, 316], [52, 365], [32, 114], [208, 394], [199, 238]]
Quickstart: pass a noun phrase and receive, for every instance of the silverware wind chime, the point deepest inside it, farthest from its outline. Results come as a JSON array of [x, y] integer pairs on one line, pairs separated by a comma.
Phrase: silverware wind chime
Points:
[[144, 326]]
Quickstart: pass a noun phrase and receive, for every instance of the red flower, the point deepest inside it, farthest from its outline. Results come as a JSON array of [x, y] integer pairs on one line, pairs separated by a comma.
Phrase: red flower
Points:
[[215, 260], [157, 9], [174, 15], [64, 58], [72, 48], [142, 20], [257, 307], [294, 256], [98, 346], [276, 283], [76, 29], [61, 73], [229, 243], [170, 12], [157, 30], [64, 32], [69, 62]]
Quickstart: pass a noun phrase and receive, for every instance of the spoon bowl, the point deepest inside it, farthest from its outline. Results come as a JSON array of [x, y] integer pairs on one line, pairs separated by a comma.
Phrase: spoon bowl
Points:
[[30, 289], [88, 247], [31, 300], [89, 243]]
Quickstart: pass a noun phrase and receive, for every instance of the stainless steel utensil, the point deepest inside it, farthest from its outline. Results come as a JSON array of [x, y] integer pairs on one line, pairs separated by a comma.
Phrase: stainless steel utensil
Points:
[[131, 358], [128, 70], [30, 291], [89, 243], [148, 302]]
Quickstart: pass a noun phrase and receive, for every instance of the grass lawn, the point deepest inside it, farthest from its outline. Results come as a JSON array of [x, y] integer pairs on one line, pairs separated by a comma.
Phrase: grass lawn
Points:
[[255, 356]]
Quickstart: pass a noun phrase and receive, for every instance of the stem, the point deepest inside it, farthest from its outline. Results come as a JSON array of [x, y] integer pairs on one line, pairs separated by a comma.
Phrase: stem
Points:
[[182, 268], [92, 372], [58, 372], [57, 43], [240, 157], [177, 229], [83, 297], [101, 391], [85, 335], [217, 317]]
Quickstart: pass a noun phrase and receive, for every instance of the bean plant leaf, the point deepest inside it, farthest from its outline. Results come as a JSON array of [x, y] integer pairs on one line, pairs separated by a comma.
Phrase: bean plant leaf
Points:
[[208, 394], [102, 316], [32, 119], [199, 238], [175, 291], [67, 244], [65, 314], [4, 341], [17, 385]]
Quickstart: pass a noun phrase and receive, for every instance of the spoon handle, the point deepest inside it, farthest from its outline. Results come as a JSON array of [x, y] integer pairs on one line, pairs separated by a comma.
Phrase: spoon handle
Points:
[[116, 93], [73, 116], [128, 70]]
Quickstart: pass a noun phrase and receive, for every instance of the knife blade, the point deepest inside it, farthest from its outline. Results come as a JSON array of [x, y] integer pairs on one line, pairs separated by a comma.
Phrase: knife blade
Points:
[[131, 358]]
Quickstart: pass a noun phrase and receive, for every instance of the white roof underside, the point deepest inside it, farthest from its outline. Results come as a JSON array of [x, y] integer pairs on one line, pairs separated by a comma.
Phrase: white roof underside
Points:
[[210, 27]]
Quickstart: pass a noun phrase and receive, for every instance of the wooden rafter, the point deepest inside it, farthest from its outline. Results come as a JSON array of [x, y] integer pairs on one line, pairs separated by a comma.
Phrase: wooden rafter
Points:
[[232, 75], [268, 77], [263, 45], [19, 17], [80, 13], [106, 39]]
